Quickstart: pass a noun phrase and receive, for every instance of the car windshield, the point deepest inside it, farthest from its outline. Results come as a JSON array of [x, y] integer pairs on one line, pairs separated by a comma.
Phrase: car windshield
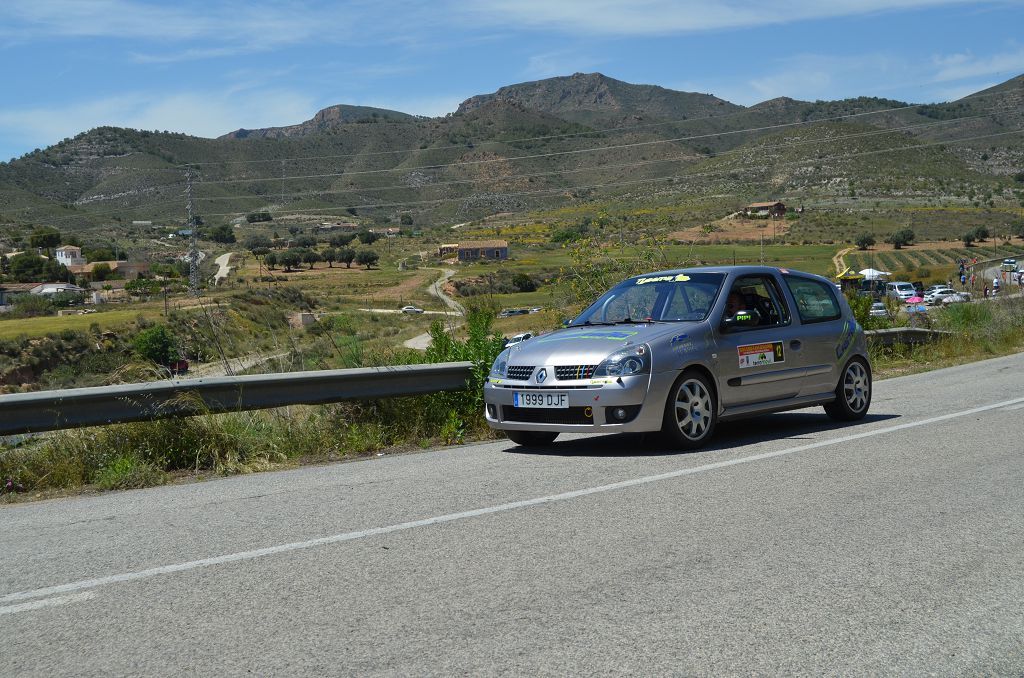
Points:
[[667, 297]]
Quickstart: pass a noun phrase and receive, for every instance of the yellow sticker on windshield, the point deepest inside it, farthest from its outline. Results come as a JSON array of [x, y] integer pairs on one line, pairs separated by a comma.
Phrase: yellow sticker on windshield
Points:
[[681, 277]]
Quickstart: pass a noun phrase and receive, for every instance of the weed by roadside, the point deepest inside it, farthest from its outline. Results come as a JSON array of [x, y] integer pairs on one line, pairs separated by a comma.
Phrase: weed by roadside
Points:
[[141, 454]]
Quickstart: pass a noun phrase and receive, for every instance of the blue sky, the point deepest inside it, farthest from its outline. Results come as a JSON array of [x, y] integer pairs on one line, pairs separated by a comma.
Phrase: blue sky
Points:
[[207, 67]]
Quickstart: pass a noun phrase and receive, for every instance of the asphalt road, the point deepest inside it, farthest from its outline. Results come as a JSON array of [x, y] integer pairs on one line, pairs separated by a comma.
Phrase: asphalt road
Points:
[[792, 545]]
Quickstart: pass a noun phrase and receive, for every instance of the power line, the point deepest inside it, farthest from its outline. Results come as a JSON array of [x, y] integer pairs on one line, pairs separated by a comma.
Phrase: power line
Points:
[[282, 177], [568, 171], [534, 156], [559, 189], [681, 121], [563, 189], [603, 167]]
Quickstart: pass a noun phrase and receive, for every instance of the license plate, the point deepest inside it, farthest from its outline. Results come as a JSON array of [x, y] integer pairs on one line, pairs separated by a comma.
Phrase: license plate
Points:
[[541, 399]]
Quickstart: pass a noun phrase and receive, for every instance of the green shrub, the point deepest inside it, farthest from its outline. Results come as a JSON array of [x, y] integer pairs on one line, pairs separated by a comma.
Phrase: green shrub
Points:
[[157, 345], [127, 472]]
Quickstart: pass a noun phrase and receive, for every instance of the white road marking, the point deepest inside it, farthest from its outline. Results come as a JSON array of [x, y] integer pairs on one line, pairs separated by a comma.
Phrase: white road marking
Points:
[[86, 584], [1015, 407], [47, 602]]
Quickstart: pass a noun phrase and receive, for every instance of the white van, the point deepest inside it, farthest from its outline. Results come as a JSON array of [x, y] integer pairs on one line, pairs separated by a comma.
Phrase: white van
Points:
[[900, 291]]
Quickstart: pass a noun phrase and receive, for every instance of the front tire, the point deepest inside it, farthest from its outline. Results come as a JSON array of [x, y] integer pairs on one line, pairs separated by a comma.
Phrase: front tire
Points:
[[691, 411], [531, 438], [853, 392]]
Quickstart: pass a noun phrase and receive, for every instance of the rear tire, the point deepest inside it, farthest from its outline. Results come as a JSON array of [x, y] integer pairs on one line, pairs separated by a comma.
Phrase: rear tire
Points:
[[531, 438], [853, 392], [691, 411]]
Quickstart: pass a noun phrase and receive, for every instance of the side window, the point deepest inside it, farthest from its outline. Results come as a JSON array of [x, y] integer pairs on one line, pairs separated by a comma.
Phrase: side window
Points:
[[758, 294], [815, 301]]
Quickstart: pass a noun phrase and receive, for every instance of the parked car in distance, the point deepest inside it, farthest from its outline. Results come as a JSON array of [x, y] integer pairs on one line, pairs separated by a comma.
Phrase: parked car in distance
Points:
[[957, 298], [515, 339], [678, 351], [412, 309], [937, 296], [878, 310], [509, 312], [1009, 265], [932, 288], [901, 291], [536, 309]]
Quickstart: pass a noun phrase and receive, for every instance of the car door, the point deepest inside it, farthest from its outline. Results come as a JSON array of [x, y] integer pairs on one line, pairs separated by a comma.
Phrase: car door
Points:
[[826, 335], [758, 364]]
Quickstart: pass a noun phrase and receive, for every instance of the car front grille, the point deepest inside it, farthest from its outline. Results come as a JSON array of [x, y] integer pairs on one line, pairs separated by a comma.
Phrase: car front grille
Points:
[[567, 372], [519, 372], [570, 415]]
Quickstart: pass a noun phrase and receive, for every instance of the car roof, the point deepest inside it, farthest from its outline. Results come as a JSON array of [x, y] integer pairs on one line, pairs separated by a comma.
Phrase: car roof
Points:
[[738, 270]]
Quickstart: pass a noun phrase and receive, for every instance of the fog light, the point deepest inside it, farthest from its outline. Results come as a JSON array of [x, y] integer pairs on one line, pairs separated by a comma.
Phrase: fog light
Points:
[[619, 413], [492, 411]]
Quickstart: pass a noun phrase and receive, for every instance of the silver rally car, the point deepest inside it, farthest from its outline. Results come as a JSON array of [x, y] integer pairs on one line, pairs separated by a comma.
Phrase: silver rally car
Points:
[[678, 351]]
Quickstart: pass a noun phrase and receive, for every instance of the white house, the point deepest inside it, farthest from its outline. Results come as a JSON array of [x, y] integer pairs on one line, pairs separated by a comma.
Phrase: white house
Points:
[[69, 255]]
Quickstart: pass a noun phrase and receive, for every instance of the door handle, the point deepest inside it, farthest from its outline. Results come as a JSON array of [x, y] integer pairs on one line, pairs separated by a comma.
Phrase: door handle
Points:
[[795, 344]]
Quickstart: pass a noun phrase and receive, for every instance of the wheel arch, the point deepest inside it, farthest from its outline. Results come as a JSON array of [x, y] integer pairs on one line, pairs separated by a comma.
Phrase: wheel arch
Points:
[[708, 374], [863, 358]]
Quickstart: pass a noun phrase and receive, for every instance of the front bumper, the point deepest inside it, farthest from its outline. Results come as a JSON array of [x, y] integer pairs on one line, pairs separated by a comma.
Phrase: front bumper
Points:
[[592, 405]]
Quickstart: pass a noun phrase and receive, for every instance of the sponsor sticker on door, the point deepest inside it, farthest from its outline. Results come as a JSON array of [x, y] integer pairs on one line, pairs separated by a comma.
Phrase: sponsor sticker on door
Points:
[[759, 355]]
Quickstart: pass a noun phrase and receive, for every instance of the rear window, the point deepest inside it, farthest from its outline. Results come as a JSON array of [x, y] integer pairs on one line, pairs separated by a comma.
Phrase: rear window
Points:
[[815, 301]]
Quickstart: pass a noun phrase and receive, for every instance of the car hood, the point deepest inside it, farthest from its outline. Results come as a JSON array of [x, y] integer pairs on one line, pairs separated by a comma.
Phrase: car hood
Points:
[[587, 345]]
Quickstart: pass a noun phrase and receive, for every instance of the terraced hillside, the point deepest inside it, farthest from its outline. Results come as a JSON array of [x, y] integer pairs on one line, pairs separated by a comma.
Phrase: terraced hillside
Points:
[[536, 147]]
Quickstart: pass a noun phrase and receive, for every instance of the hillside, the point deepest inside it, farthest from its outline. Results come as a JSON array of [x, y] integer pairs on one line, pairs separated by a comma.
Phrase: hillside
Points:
[[565, 141], [595, 99], [324, 120]]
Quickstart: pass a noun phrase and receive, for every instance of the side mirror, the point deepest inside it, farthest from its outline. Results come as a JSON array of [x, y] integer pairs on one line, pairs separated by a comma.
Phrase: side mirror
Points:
[[743, 318], [565, 322]]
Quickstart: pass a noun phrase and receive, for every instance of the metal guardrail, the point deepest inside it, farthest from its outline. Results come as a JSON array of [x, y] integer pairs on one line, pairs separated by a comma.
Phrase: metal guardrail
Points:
[[73, 408], [906, 336]]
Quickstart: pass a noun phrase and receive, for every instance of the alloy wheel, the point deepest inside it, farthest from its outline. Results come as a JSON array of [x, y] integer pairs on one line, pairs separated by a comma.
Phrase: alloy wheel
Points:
[[693, 409], [856, 386]]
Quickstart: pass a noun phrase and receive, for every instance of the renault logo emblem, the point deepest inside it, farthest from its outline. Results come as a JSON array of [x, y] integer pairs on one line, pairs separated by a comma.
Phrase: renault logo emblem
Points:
[[542, 375]]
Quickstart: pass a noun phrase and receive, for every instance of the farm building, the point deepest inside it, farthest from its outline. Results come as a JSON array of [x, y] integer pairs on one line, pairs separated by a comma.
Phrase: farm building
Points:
[[774, 209], [484, 249]]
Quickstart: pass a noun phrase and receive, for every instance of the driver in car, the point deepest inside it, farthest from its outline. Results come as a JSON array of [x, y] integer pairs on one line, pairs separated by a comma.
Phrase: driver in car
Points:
[[734, 304]]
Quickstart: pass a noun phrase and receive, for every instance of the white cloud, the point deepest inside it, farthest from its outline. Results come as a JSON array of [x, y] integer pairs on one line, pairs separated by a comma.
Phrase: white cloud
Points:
[[551, 64], [820, 76], [238, 26], [966, 65], [431, 106], [959, 92], [661, 17], [205, 114]]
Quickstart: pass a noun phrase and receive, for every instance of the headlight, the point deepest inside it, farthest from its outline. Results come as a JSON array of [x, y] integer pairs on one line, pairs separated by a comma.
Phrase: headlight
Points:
[[632, 360], [500, 366]]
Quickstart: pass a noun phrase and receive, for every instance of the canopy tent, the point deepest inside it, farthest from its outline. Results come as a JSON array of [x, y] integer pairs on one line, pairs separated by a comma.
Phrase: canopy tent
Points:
[[872, 274]]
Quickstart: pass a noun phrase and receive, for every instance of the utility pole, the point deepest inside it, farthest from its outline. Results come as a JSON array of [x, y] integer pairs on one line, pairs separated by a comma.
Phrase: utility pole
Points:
[[193, 250]]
